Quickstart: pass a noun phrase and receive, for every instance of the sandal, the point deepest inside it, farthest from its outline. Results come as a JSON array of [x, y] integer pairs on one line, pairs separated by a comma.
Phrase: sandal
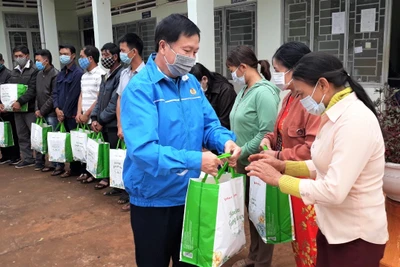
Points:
[[48, 169], [126, 207], [113, 192], [57, 172], [101, 185], [83, 176], [68, 174], [244, 263], [89, 180], [123, 199]]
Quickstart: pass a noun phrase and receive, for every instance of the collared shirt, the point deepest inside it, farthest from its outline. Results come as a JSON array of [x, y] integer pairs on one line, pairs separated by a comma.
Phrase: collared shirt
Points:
[[68, 90], [27, 66], [90, 86], [126, 76], [348, 158]]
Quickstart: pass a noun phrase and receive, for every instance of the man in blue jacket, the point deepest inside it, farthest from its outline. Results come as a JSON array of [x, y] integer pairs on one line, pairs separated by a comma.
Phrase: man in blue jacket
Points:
[[166, 121]]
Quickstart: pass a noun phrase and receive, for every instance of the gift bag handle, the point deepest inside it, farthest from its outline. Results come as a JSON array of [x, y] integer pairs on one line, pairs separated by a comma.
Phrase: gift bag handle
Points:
[[61, 126], [99, 136], [121, 144], [220, 171]]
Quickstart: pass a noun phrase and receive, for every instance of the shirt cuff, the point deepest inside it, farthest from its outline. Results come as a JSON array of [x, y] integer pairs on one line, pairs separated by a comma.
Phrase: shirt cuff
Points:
[[297, 168], [290, 185]]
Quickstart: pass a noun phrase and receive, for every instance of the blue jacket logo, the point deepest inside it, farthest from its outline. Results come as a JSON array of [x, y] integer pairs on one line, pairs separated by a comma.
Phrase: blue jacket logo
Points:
[[193, 91]]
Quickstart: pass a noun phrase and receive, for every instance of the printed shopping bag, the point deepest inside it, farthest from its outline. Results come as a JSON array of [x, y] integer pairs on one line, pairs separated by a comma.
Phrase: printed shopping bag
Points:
[[79, 138], [98, 157], [60, 145], [6, 135], [10, 92], [39, 131], [213, 227], [117, 158], [270, 210]]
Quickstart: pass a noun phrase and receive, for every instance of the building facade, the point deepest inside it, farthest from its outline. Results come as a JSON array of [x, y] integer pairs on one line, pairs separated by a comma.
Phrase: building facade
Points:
[[362, 33]]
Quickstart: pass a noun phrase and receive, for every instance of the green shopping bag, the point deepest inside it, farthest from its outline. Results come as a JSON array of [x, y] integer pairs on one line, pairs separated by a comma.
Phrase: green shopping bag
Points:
[[59, 145], [98, 157], [39, 131], [79, 138], [10, 92], [213, 227], [6, 135], [117, 158], [270, 210]]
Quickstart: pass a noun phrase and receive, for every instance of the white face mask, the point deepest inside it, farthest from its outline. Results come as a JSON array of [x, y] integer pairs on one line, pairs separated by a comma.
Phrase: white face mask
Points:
[[238, 80], [311, 105], [279, 79]]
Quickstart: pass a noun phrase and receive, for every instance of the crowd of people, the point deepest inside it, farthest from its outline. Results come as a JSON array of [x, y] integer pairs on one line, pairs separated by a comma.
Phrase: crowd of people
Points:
[[324, 146]]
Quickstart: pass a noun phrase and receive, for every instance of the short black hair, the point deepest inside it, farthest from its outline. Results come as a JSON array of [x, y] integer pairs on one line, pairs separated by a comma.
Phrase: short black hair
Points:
[[21, 48], [92, 51], [172, 27], [133, 41], [46, 54], [1, 56], [112, 48], [70, 47]]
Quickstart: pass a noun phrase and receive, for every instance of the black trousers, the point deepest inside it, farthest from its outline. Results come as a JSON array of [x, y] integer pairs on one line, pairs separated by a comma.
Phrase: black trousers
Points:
[[12, 152], [157, 234]]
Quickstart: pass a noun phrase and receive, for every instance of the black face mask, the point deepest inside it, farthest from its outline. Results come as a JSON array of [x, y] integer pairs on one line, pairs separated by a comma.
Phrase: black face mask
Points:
[[107, 62]]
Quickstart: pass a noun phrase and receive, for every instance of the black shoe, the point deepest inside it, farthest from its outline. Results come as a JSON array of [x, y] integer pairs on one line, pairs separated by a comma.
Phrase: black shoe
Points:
[[24, 164], [14, 162], [39, 167], [4, 161]]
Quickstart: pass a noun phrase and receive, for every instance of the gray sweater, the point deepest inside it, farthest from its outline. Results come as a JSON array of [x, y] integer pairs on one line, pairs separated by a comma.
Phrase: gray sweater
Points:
[[45, 84]]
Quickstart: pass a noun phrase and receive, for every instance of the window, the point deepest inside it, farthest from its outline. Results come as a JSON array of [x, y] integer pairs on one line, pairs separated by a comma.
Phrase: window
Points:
[[233, 26], [361, 52], [145, 28]]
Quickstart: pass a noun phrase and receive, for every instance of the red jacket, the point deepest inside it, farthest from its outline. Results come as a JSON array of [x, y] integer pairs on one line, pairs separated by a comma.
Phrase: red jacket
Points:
[[299, 131]]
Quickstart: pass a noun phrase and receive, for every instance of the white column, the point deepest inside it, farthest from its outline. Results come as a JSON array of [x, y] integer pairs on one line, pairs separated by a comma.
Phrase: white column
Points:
[[48, 28], [201, 12], [102, 22], [269, 38], [3, 42]]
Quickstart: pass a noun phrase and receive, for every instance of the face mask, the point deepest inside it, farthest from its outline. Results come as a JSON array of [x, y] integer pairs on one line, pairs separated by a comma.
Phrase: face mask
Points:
[[182, 64], [21, 61], [1, 66], [84, 62], [311, 105], [279, 79], [238, 80], [107, 62], [125, 58], [65, 60], [39, 65]]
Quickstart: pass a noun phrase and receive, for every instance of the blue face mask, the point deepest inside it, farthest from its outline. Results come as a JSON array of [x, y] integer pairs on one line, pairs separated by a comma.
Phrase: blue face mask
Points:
[[311, 105], [39, 65], [1, 66], [125, 58], [84, 62], [65, 60]]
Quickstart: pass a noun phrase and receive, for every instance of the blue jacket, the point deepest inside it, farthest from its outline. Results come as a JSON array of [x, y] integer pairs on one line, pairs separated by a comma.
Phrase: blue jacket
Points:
[[166, 123]]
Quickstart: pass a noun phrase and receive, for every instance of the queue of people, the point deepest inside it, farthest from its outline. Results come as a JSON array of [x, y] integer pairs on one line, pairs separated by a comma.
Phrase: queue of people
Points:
[[324, 146], [82, 93]]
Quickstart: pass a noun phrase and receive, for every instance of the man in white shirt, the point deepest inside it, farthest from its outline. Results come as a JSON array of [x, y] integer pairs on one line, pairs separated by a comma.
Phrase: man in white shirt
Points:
[[90, 86], [131, 50], [131, 47]]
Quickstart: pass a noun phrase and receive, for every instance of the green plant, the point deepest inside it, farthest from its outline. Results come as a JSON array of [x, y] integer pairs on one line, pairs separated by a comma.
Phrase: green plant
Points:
[[388, 108]]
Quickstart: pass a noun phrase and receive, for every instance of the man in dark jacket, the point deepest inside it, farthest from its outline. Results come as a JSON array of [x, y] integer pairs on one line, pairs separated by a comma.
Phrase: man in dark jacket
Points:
[[25, 73], [9, 154], [45, 84], [65, 100], [103, 115]]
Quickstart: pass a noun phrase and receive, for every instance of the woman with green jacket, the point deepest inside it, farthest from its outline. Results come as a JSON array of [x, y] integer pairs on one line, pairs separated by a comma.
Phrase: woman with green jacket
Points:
[[253, 115]]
